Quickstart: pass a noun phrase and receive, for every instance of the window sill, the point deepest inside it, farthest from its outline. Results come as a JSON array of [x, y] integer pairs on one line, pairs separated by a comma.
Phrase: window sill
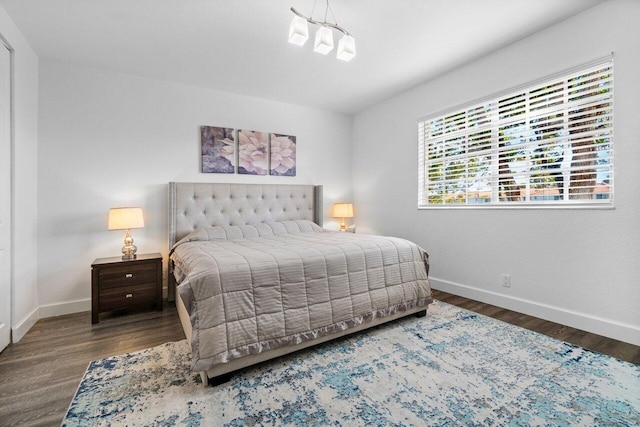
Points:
[[521, 206]]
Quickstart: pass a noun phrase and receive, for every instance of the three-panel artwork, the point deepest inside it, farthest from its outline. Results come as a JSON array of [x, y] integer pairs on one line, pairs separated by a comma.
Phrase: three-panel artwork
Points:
[[254, 153]]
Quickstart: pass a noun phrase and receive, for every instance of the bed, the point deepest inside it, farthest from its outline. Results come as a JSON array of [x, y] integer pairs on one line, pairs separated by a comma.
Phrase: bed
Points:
[[255, 276]]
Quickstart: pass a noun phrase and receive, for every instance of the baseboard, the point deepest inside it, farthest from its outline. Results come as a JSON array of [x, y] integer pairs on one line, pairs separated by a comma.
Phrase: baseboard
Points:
[[62, 308], [53, 310], [20, 330], [586, 322], [583, 321]]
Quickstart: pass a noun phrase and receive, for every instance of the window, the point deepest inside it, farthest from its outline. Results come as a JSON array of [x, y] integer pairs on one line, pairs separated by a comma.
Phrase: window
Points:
[[550, 143]]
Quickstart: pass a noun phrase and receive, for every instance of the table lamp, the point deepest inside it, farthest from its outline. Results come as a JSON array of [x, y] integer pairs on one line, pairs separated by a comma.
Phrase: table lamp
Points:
[[342, 211], [126, 219]]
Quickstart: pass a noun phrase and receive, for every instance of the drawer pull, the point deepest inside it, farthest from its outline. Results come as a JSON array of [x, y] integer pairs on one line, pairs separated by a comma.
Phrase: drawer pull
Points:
[[128, 275], [129, 295]]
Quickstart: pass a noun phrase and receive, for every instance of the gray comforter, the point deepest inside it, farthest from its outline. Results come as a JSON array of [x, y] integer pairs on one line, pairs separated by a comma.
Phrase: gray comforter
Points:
[[253, 288]]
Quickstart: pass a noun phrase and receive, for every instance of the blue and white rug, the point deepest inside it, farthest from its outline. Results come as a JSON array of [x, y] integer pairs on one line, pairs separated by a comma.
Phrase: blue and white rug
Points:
[[453, 367]]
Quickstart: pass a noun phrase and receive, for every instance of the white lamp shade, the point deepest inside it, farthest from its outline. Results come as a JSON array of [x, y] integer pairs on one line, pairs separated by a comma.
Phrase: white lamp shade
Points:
[[342, 210], [346, 48], [125, 218], [324, 41], [298, 31]]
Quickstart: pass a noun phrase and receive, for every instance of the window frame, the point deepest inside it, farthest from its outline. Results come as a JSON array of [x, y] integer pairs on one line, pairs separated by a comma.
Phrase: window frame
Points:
[[596, 202]]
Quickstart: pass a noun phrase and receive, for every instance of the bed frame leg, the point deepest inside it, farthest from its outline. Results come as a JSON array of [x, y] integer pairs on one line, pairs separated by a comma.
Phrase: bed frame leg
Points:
[[220, 379], [421, 313]]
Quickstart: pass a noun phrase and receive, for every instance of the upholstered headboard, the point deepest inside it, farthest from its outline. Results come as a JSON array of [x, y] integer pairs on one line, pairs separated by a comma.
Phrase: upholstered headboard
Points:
[[195, 205]]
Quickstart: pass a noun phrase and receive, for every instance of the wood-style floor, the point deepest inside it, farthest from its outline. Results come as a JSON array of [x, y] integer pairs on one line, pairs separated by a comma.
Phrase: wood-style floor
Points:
[[40, 374], [618, 349]]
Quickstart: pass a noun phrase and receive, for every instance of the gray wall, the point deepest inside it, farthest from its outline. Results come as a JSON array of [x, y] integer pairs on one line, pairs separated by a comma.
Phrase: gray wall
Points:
[[110, 140], [577, 267]]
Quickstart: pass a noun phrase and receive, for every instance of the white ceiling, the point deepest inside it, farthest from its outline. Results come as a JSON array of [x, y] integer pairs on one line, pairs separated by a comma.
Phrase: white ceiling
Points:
[[240, 46]]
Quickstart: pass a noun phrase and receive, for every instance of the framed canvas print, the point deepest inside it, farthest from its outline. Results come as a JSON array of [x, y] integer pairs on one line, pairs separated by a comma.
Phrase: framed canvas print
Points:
[[283, 155], [252, 152], [218, 149]]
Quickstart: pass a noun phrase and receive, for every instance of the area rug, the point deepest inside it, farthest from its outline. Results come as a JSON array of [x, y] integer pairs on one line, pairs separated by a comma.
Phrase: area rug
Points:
[[452, 367]]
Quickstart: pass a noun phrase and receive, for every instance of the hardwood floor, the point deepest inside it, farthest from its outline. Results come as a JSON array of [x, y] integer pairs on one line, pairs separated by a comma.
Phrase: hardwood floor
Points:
[[40, 374], [618, 349]]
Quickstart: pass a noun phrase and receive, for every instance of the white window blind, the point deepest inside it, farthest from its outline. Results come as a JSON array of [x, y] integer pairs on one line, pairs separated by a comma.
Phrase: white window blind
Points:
[[550, 143]]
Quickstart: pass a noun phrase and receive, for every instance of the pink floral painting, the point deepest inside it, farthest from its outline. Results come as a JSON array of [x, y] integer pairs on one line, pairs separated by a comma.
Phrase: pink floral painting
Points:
[[283, 155], [218, 149], [252, 152]]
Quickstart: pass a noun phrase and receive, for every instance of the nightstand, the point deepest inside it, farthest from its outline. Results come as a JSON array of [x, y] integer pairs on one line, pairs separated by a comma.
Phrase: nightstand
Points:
[[118, 284]]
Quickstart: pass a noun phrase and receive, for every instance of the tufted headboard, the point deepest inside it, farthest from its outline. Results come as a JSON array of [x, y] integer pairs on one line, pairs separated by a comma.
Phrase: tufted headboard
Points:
[[195, 205]]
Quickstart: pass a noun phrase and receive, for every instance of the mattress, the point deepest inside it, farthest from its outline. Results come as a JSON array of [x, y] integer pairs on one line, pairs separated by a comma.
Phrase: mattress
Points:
[[253, 288]]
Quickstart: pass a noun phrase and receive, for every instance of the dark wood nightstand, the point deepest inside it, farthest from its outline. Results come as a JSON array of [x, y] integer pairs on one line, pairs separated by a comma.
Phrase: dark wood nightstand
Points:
[[120, 284]]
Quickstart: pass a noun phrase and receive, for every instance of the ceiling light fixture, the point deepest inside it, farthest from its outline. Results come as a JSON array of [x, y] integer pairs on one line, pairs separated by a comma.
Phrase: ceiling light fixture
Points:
[[299, 34]]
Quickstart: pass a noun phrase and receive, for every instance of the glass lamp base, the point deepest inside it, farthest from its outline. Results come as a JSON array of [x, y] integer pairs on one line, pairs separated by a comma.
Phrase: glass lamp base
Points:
[[129, 252]]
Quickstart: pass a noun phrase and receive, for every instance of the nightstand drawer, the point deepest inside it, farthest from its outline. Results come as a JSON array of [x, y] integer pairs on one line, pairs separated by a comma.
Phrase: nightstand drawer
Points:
[[127, 296], [118, 283], [128, 275]]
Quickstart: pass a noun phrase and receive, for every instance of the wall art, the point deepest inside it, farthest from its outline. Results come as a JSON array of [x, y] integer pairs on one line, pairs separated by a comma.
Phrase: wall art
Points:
[[218, 149], [283, 154], [252, 152]]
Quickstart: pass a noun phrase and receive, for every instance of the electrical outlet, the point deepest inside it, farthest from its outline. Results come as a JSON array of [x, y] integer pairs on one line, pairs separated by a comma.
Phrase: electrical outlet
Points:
[[506, 280]]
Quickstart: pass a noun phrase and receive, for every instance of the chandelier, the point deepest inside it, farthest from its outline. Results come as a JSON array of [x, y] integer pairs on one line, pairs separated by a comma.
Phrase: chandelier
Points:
[[299, 33]]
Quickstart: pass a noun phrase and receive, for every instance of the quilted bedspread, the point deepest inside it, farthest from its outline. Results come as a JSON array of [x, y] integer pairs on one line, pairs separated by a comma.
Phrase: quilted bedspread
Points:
[[252, 288]]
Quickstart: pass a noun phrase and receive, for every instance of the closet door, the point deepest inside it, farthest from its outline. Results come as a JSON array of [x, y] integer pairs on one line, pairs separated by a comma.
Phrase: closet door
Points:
[[5, 196]]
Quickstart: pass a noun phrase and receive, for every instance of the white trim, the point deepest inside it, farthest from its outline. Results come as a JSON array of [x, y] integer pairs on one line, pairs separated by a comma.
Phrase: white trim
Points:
[[20, 329], [11, 199], [517, 205], [597, 325], [62, 308], [54, 310]]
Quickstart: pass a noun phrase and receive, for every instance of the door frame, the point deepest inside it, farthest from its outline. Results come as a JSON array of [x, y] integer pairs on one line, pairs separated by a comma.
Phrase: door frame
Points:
[[11, 196]]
